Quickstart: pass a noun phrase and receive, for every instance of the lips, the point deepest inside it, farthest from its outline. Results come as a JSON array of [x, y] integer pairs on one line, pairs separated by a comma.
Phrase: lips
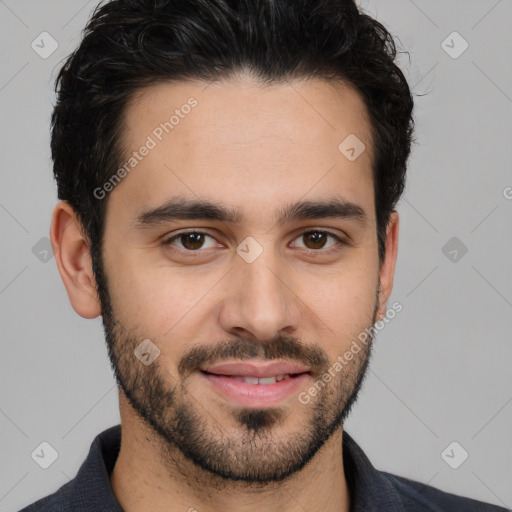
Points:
[[255, 370], [256, 383], [254, 395]]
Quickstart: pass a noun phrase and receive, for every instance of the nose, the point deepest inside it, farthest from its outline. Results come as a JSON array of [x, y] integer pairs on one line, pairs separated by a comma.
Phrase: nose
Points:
[[260, 300]]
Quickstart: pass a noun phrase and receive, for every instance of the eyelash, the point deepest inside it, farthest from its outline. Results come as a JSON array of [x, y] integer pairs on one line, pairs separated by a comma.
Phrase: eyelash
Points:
[[168, 241]]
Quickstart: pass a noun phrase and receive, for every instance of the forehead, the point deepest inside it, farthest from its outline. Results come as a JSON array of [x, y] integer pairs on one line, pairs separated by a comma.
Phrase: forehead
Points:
[[247, 144]]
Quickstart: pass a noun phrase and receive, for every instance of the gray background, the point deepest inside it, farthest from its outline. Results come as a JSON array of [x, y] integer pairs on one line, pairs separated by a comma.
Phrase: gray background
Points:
[[441, 369]]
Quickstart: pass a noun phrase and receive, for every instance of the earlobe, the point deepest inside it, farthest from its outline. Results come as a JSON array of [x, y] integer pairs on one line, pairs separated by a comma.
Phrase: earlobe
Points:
[[387, 269], [72, 254]]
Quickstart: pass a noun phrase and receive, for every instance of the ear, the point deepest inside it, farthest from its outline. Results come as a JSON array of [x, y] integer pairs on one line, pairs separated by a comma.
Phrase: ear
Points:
[[72, 254], [387, 269]]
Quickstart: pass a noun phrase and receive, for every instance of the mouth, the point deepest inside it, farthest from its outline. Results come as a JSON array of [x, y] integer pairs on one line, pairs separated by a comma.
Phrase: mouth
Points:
[[265, 381], [254, 391]]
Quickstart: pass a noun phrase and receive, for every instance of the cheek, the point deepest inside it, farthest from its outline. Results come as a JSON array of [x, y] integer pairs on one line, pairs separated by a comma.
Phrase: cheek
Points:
[[353, 280], [156, 300], [344, 303], [138, 293]]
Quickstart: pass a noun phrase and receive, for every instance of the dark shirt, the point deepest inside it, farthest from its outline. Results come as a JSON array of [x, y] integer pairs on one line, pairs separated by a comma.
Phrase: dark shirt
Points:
[[370, 490]]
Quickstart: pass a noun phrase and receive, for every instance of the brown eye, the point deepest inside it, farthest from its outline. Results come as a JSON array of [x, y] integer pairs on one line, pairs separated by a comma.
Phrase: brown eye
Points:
[[315, 240], [192, 241], [189, 241]]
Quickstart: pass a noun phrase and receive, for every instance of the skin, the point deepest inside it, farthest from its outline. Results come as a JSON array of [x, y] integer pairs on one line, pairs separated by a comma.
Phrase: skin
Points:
[[255, 149]]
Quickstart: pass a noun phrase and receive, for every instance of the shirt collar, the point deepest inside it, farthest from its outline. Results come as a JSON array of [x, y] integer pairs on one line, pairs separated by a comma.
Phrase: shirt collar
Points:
[[370, 489], [91, 490]]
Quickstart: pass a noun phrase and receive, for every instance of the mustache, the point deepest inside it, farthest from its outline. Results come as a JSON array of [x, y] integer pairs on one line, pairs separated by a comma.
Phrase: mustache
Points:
[[279, 347]]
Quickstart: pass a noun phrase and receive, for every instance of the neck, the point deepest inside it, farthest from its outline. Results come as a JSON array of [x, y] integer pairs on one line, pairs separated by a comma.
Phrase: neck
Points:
[[149, 475]]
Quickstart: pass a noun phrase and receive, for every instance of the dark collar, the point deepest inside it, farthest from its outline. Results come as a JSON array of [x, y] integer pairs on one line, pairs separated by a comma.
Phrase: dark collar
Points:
[[370, 489], [91, 490]]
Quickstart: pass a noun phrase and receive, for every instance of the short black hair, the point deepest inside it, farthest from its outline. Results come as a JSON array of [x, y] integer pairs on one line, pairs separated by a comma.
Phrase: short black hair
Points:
[[128, 45]]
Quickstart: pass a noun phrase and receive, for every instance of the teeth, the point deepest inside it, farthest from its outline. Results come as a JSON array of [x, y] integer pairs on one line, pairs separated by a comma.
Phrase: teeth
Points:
[[262, 380], [267, 380]]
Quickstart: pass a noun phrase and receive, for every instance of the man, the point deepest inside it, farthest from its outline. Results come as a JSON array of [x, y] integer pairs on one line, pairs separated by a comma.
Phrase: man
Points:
[[228, 172]]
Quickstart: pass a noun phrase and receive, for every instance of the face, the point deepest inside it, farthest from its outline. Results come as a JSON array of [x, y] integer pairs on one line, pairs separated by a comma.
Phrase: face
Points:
[[243, 235]]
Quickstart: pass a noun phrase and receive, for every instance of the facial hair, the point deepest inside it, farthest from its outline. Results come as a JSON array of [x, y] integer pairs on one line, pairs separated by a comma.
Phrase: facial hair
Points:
[[251, 452]]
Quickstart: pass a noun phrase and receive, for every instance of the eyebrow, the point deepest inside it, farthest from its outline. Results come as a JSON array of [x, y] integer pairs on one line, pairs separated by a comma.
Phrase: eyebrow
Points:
[[190, 209]]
